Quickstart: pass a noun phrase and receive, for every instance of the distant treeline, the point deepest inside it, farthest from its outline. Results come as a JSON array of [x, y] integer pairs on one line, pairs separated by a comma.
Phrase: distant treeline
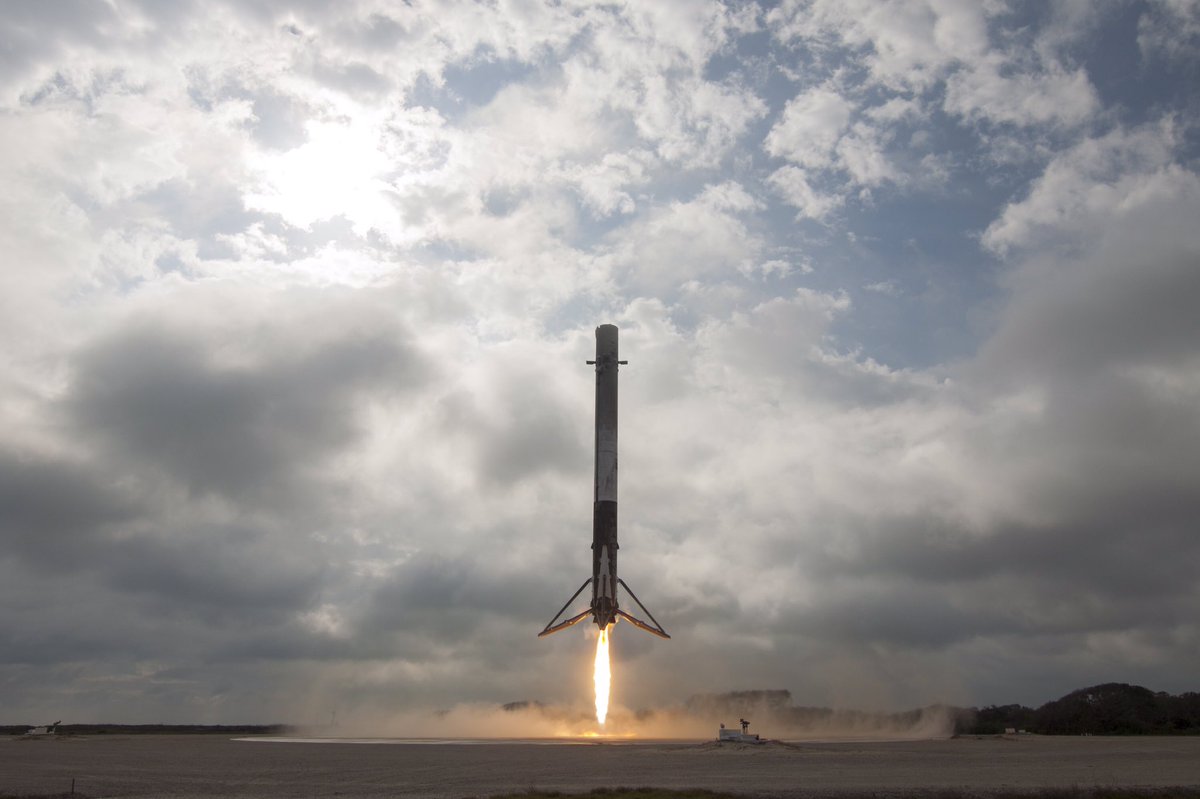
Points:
[[1108, 709], [154, 729]]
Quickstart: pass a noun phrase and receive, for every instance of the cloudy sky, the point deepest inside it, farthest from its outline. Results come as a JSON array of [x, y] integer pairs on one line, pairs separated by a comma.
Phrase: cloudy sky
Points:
[[296, 299]]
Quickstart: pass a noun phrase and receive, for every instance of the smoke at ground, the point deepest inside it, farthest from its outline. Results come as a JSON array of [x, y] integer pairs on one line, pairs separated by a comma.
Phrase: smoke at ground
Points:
[[771, 713]]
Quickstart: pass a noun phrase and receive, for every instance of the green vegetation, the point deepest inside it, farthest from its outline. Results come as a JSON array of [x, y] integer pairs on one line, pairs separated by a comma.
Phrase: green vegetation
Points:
[[623, 793], [1177, 792], [1189, 792], [1046, 793], [1108, 709], [153, 729]]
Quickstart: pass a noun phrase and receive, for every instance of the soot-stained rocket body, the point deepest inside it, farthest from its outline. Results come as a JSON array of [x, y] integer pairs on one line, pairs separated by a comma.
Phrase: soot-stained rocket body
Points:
[[605, 608]]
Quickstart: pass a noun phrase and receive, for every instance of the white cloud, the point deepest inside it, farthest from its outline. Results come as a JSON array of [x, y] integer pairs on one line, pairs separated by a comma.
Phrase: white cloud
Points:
[[909, 45], [912, 46], [779, 268], [255, 243], [795, 185], [773, 338], [887, 287], [1170, 29], [1085, 187], [862, 155], [1054, 95], [894, 110], [701, 240], [818, 133], [650, 68], [604, 185], [809, 127]]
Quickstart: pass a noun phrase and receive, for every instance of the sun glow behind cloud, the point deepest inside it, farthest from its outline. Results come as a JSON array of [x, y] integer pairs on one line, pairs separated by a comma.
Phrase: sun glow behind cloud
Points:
[[341, 170]]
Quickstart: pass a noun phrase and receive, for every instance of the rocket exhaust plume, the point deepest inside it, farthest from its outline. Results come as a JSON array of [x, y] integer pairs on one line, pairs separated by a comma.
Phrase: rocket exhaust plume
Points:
[[603, 676]]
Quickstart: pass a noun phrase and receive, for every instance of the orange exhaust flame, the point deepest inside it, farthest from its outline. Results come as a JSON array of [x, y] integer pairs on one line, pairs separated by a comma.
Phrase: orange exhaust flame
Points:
[[603, 676]]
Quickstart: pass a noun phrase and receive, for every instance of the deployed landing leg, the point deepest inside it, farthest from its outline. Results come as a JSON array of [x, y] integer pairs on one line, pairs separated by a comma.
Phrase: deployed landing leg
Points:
[[553, 628]]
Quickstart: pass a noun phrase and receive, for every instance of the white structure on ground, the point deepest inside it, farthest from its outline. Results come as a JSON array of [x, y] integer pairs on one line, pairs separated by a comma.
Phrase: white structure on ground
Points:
[[733, 736], [49, 729]]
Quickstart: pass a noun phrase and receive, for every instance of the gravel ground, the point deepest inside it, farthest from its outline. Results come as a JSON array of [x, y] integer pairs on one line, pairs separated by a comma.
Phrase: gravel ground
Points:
[[195, 766]]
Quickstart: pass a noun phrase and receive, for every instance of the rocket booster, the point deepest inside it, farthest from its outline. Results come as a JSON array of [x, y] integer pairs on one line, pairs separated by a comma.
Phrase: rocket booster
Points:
[[604, 499], [605, 608]]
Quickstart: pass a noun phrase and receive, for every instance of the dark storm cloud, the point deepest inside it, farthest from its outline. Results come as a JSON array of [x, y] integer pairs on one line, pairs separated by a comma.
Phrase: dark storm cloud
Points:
[[94, 567], [1109, 548], [219, 571], [700, 602], [894, 614], [519, 431], [446, 599], [160, 396], [54, 513], [921, 582], [535, 437], [45, 621], [1132, 305], [518, 419], [88, 619], [169, 416]]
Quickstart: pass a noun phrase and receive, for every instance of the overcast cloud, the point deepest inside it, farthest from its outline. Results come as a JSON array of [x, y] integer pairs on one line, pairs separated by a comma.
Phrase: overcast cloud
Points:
[[296, 297]]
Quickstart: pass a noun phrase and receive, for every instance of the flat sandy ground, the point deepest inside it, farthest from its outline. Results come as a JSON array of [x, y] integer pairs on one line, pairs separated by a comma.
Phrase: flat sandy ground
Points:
[[179, 766]]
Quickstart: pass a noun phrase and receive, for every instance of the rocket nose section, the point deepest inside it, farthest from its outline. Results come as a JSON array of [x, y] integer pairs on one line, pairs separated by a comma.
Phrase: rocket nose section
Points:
[[606, 339]]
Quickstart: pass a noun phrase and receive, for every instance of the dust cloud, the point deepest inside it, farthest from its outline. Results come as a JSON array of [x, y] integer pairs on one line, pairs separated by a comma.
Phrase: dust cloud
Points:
[[771, 713]]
